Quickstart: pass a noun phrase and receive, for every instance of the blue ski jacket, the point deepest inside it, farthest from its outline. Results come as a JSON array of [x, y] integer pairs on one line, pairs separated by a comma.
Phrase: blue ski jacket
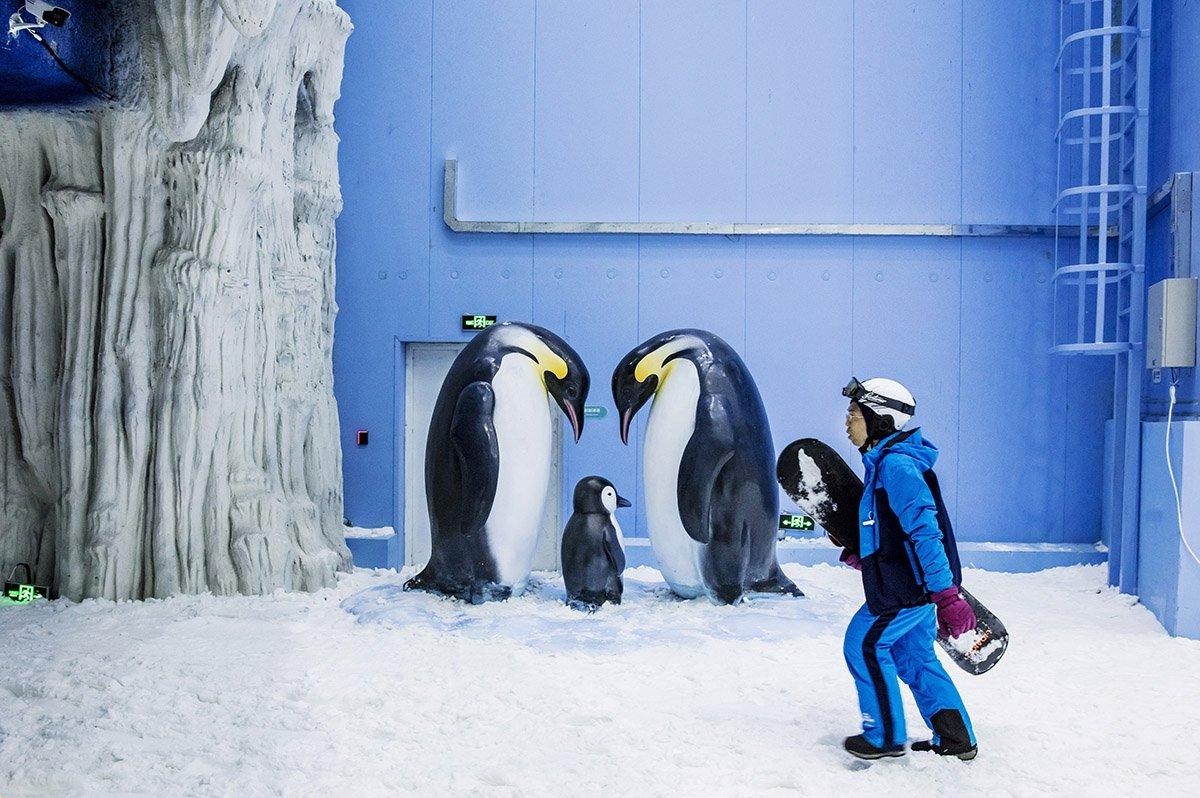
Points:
[[906, 542]]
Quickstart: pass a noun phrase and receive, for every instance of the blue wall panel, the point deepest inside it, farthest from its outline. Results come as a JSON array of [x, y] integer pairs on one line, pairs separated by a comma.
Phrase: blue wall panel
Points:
[[693, 111], [907, 110], [383, 238], [1003, 174], [1087, 395], [798, 335], [1174, 147], [1011, 433], [800, 113], [1168, 578], [483, 99], [587, 110], [906, 323], [873, 111]]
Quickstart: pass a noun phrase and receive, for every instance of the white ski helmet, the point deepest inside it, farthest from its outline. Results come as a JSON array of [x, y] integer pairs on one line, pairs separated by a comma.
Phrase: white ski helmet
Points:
[[883, 397]]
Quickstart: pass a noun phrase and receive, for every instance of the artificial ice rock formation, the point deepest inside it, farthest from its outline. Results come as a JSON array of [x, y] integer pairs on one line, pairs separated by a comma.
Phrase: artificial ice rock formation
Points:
[[167, 422]]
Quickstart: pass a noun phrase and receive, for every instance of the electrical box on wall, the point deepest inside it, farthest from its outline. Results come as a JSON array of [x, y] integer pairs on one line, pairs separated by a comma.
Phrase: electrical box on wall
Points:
[[1171, 324]]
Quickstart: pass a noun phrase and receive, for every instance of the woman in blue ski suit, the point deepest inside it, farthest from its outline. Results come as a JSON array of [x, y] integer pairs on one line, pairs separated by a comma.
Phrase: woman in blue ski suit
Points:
[[910, 572]]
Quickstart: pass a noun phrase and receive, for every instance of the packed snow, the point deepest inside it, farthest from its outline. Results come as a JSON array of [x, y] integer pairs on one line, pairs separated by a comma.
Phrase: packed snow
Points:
[[369, 533], [363, 689]]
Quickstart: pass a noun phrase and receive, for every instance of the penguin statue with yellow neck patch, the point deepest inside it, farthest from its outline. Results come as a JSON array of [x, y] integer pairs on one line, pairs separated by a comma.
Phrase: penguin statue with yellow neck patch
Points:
[[712, 505], [487, 459]]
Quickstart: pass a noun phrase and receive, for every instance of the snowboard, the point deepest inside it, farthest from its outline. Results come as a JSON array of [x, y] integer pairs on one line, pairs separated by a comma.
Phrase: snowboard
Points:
[[823, 485]]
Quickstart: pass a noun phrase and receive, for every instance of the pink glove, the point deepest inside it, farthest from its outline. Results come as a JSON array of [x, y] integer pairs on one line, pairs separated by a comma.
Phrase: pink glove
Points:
[[955, 616], [851, 559]]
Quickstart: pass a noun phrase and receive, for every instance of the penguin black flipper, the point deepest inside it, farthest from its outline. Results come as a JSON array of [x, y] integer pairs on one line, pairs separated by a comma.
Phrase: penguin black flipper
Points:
[[711, 447], [455, 566], [477, 453]]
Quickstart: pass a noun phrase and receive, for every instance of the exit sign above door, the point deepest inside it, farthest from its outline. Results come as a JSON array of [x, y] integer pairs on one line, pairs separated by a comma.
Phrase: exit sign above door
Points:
[[475, 322]]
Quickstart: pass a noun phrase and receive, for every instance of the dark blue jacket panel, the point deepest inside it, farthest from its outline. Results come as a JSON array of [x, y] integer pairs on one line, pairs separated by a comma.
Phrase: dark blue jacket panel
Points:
[[907, 541]]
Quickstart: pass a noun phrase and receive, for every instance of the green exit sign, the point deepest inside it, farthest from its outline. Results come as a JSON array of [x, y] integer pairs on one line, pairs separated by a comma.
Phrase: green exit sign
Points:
[[475, 322], [799, 523], [23, 594], [22, 591]]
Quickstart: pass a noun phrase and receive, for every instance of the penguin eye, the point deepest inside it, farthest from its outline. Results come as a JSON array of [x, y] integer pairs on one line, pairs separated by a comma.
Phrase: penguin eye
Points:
[[572, 391]]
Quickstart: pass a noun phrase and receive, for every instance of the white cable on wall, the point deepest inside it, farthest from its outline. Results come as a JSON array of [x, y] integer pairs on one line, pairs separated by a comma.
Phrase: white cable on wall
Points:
[[1171, 471]]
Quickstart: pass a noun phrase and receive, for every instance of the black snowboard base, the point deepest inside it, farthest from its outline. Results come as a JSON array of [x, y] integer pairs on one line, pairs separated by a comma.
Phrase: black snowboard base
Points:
[[821, 484]]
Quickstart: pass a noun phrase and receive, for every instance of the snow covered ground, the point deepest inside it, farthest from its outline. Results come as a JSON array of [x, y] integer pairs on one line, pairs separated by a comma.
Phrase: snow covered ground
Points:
[[365, 690]]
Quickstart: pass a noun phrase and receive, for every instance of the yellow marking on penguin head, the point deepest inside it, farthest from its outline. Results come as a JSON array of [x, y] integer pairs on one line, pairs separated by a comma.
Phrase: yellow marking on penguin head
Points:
[[547, 359], [655, 362]]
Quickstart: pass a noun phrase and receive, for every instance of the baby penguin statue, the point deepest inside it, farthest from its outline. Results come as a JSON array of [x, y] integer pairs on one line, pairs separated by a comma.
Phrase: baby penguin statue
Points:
[[592, 557]]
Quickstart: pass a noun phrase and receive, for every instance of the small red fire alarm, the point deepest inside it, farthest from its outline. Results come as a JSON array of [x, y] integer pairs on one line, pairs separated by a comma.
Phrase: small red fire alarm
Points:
[[361, 437]]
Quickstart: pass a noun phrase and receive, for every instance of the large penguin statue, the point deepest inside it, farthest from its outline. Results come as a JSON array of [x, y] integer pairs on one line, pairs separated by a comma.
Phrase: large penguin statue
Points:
[[487, 459], [712, 504]]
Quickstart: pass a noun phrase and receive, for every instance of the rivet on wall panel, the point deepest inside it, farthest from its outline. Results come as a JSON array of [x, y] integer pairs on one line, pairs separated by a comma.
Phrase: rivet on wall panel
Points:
[[718, 273], [403, 275], [382, 275], [665, 273], [879, 277], [934, 277], [825, 275], [771, 276], [558, 273], [454, 275], [612, 273]]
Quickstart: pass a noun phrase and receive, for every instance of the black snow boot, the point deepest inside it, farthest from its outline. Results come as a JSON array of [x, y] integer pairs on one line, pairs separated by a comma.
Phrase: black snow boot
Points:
[[953, 738], [861, 748], [942, 749]]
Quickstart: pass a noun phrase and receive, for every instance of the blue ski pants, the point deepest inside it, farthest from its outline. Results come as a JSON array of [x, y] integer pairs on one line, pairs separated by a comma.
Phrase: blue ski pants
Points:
[[879, 648]]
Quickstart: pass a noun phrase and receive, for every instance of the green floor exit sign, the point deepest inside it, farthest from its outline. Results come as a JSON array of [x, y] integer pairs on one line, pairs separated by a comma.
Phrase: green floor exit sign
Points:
[[799, 523]]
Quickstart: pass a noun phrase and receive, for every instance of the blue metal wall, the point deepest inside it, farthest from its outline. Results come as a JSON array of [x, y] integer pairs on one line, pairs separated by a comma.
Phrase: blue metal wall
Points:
[[1168, 578], [920, 111], [1174, 147]]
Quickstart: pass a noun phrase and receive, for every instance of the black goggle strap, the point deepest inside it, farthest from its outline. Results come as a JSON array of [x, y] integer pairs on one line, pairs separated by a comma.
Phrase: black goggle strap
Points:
[[855, 391]]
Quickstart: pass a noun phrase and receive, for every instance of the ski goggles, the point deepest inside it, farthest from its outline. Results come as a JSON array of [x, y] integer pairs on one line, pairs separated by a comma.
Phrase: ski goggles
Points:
[[856, 392]]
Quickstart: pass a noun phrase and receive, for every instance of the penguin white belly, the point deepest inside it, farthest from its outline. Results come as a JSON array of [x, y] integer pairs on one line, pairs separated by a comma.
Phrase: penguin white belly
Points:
[[672, 422], [522, 421], [612, 519]]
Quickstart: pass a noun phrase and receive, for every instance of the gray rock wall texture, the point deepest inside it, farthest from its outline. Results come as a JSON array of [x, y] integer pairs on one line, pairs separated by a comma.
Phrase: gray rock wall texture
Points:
[[167, 421]]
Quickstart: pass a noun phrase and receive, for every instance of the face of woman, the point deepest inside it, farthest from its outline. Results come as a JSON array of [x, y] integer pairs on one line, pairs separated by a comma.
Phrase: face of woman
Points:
[[856, 426]]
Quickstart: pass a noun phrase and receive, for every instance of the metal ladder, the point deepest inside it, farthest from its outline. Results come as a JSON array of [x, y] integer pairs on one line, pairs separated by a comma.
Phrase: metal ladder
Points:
[[1103, 70]]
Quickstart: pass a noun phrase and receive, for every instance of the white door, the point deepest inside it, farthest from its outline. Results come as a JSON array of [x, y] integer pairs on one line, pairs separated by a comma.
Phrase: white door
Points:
[[426, 366]]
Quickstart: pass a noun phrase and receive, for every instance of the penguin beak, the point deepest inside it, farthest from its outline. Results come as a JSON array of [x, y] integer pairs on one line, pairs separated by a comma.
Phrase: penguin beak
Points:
[[570, 397], [628, 393], [630, 396], [575, 417], [623, 502]]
